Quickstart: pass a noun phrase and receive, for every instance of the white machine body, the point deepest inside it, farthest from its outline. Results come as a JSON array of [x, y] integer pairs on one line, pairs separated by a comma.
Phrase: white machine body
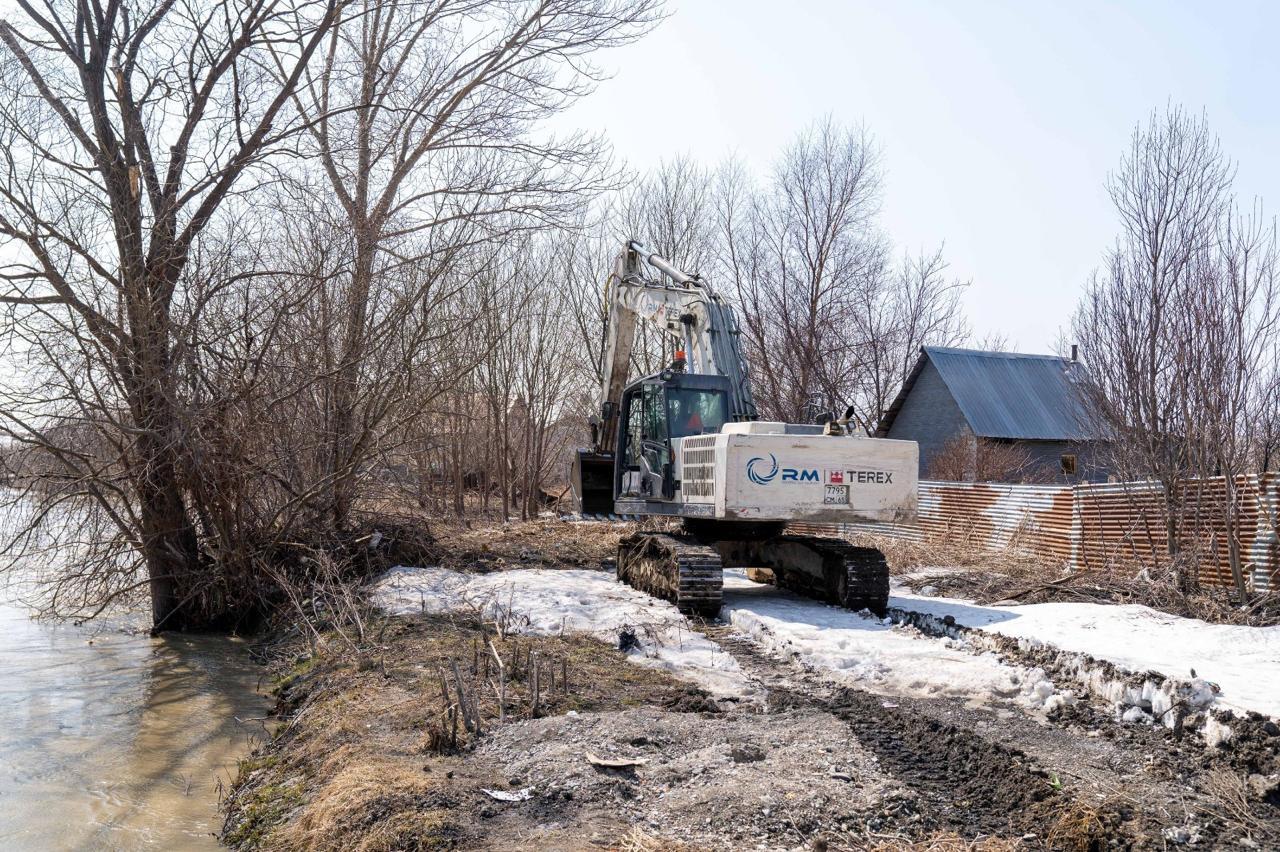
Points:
[[763, 471]]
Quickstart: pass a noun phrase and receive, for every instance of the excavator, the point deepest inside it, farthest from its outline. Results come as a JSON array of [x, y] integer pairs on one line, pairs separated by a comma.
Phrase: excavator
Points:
[[687, 445]]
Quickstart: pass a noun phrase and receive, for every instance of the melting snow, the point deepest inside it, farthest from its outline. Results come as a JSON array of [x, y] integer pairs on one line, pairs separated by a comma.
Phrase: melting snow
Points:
[[1244, 662], [550, 602], [857, 648]]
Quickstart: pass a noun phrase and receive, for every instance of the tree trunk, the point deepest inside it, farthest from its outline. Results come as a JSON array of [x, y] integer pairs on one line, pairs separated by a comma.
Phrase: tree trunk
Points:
[[169, 543], [1230, 518], [170, 547], [347, 383], [1184, 577]]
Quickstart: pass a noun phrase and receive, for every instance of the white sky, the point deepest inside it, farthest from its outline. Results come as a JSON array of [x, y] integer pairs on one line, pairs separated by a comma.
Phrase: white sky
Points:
[[998, 120]]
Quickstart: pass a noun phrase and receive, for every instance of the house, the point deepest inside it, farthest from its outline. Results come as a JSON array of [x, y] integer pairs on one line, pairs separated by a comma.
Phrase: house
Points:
[[997, 416]]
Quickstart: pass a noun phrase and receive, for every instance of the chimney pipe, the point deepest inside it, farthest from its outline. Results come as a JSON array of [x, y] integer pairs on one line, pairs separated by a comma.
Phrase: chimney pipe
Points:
[[1075, 352]]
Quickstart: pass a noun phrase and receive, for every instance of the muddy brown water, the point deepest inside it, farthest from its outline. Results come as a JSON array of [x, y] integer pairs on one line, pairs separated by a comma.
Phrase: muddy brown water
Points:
[[110, 739]]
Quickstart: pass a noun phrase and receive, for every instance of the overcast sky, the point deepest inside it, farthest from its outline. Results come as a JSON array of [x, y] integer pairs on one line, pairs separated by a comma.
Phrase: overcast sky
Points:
[[998, 120]]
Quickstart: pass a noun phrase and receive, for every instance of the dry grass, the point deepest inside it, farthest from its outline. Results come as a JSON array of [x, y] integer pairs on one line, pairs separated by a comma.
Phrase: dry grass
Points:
[[545, 542], [938, 843], [483, 540], [371, 807], [1230, 792], [955, 552], [637, 840], [1084, 827], [365, 761], [957, 567]]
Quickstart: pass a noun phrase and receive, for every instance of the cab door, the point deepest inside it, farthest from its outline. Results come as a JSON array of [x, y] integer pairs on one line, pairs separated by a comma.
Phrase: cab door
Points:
[[645, 454], [656, 445]]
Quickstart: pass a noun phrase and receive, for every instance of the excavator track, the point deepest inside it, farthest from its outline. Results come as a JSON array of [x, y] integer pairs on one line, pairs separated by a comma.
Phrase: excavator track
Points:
[[673, 568], [828, 569]]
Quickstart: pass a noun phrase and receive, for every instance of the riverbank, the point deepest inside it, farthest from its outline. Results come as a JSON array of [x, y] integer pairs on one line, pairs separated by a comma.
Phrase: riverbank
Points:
[[385, 756]]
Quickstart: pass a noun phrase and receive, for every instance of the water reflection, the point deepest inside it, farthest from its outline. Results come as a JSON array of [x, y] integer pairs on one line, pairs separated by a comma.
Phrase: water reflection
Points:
[[113, 740]]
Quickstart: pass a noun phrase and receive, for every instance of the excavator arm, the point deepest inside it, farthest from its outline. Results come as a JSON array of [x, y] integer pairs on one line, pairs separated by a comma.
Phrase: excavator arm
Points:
[[685, 307]]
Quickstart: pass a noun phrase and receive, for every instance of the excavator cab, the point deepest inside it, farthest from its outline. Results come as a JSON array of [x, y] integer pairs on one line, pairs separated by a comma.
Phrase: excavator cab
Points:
[[656, 412]]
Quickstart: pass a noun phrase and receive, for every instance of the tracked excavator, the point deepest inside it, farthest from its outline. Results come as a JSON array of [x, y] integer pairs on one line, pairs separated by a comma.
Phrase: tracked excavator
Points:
[[687, 444]]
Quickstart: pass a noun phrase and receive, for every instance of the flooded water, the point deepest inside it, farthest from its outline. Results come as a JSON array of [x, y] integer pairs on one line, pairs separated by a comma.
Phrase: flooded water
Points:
[[113, 740]]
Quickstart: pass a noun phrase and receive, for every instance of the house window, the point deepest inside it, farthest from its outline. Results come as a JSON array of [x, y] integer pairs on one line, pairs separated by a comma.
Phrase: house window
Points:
[[1068, 461]]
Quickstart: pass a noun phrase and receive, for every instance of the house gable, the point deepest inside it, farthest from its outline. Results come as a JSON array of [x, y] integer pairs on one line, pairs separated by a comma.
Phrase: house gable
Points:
[[928, 414]]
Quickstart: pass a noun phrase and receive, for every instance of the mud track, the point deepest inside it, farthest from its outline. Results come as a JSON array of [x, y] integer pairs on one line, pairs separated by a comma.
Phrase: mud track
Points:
[[958, 780], [1080, 780], [963, 782]]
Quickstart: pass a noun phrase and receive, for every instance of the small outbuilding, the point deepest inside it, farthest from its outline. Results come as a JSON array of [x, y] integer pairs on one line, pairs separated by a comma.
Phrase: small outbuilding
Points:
[[998, 416]]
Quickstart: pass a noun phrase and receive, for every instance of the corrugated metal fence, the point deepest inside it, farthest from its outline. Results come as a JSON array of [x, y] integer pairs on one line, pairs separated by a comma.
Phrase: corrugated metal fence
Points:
[[1093, 526]]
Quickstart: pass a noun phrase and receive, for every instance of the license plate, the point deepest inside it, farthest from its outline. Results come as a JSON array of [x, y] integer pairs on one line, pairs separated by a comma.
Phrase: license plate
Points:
[[836, 495]]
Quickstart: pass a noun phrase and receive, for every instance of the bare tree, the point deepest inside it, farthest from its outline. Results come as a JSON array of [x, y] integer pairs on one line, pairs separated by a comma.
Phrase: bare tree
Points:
[[799, 254], [126, 126], [426, 118], [914, 307], [547, 387], [670, 211], [830, 321], [1231, 320], [245, 237], [1180, 330]]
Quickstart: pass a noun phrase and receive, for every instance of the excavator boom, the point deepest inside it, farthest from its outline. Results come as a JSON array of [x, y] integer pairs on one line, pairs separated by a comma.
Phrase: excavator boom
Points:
[[686, 308]]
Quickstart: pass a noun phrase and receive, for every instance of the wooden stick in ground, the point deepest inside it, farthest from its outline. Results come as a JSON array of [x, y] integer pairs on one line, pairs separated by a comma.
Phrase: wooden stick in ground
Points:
[[564, 675], [450, 712], [468, 712], [444, 690], [502, 683], [533, 673]]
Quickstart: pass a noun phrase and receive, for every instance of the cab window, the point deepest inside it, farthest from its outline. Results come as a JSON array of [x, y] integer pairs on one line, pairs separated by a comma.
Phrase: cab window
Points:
[[635, 431], [695, 412], [655, 424]]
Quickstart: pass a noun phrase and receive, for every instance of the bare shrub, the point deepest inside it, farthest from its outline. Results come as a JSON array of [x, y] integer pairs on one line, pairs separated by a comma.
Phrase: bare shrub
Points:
[[965, 458], [1230, 792]]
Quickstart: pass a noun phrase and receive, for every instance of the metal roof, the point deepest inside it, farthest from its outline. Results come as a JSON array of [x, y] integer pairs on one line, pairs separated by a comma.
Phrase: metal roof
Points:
[[1009, 395]]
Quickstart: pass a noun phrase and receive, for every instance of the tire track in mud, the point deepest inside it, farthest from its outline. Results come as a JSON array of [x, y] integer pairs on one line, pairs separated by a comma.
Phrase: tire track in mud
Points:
[[971, 785], [961, 781]]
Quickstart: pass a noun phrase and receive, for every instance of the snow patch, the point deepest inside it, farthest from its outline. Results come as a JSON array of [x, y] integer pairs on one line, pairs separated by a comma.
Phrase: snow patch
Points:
[[1135, 714], [1216, 732], [860, 649], [546, 602], [1230, 666]]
